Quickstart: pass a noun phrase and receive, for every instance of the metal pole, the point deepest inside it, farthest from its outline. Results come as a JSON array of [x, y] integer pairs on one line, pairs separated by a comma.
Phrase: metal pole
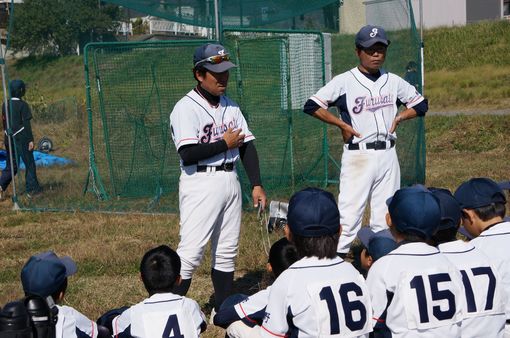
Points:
[[8, 125], [422, 45], [216, 20]]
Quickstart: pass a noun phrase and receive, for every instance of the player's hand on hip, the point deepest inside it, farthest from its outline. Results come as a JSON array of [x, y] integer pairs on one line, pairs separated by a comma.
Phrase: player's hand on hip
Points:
[[234, 138], [395, 123], [30, 145], [348, 132], [259, 197]]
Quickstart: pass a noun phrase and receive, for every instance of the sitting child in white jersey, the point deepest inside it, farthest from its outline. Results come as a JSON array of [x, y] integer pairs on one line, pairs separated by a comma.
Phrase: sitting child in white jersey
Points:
[[163, 314], [320, 295], [483, 205], [240, 313], [46, 275], [485, 316], [415, 290]]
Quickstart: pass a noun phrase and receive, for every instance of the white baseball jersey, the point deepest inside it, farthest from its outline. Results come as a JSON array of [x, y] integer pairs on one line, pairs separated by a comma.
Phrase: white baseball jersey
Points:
[[484, 294], [161, 315], [318, 298], [494, 243], [370, 108], [73, 324], [416, 292], [194, 121]]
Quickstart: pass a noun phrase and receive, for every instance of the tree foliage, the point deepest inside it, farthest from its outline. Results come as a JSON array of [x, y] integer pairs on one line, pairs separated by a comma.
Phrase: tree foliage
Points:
[[58, 26]]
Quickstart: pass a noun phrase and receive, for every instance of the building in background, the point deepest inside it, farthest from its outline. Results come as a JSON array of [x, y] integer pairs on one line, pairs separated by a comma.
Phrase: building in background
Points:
[[436, 13]]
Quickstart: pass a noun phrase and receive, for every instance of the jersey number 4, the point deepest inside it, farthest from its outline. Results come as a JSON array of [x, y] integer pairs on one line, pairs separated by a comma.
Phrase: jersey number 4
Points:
[[172, 329], [348, 307]]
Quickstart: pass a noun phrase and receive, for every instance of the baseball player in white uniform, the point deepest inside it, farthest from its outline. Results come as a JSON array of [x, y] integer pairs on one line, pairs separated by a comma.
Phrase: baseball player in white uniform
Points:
[[211, 134], [163, 314], [484, 294], [367, 98], [415, 290], [321, 295], [483, 205]]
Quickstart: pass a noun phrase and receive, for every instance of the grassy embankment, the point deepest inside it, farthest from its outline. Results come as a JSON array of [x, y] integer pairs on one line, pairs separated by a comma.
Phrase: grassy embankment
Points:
[[463, 65]]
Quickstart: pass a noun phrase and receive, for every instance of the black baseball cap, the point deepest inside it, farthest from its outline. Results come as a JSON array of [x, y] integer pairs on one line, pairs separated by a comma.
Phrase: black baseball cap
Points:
[[203, 57], [44, 273], [450, 208], [415, 210], [479, 192], [369, 35], [313, 212], [378, 244]]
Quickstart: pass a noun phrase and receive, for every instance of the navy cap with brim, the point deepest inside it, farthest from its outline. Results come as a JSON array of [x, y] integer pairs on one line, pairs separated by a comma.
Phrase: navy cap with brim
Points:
[[380, 246], [208, 50], [451, 212], [369, 35], [219, 67], [479, 192], [416, 211], [313, 212], [365, 234], [44, 273]]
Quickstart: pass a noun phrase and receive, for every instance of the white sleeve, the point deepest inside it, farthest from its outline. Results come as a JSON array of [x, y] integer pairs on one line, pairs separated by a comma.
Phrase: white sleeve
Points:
[[252, 304], [121, 322], [82, 324], [197, 317], [407, 93], [275, 319], [248, 135], [184, 125], [377, 290], [330, 92]]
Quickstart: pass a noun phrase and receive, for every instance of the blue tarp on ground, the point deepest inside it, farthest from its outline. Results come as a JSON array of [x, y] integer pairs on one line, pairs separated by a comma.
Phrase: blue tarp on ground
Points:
[[41, 160]]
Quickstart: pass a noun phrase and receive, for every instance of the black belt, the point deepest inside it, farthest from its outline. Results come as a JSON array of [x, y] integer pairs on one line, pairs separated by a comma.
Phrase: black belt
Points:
[[223, 167], [377, 145]]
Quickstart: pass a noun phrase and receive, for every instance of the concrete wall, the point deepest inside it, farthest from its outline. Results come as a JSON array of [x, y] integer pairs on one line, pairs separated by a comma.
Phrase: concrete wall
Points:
[[352, 16]]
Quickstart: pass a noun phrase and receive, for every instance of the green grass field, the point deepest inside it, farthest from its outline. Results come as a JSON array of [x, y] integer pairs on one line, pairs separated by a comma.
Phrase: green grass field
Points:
[[109, 246]]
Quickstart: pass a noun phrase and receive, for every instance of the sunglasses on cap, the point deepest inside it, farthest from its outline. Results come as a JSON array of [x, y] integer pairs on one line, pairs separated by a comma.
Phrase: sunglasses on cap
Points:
[[215, 59]]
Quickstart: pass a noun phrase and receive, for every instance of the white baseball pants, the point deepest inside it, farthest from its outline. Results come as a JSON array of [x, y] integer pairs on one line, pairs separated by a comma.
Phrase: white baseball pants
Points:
[[210, 208], [365, 174]]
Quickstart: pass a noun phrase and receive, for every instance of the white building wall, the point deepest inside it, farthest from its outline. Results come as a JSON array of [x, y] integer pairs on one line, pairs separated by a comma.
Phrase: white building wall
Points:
[[440, 12]]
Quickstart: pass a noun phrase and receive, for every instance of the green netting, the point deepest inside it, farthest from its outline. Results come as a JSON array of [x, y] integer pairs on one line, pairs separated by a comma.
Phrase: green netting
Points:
[[133, 88], [128, 159], [238, 13]]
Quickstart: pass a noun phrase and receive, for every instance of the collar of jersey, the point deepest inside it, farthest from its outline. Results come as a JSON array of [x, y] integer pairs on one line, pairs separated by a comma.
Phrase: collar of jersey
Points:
[[500, 227], [161, 297], [455, 246], [314, 261], [418, 248]]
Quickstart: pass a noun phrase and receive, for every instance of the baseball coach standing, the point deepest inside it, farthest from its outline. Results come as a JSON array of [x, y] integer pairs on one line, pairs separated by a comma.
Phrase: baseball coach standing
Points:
[[367, 98], [211, 134]]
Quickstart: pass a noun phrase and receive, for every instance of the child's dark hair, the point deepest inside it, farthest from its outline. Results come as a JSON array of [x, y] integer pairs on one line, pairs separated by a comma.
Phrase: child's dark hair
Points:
[[491, 211], [444, 236], [321, 247], [412, 236], [61, 289], [160, 268], [282, 255], [201, 70]]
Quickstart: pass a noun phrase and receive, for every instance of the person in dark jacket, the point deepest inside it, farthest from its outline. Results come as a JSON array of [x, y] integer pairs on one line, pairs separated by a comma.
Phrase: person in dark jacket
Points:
[[22, 139]]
